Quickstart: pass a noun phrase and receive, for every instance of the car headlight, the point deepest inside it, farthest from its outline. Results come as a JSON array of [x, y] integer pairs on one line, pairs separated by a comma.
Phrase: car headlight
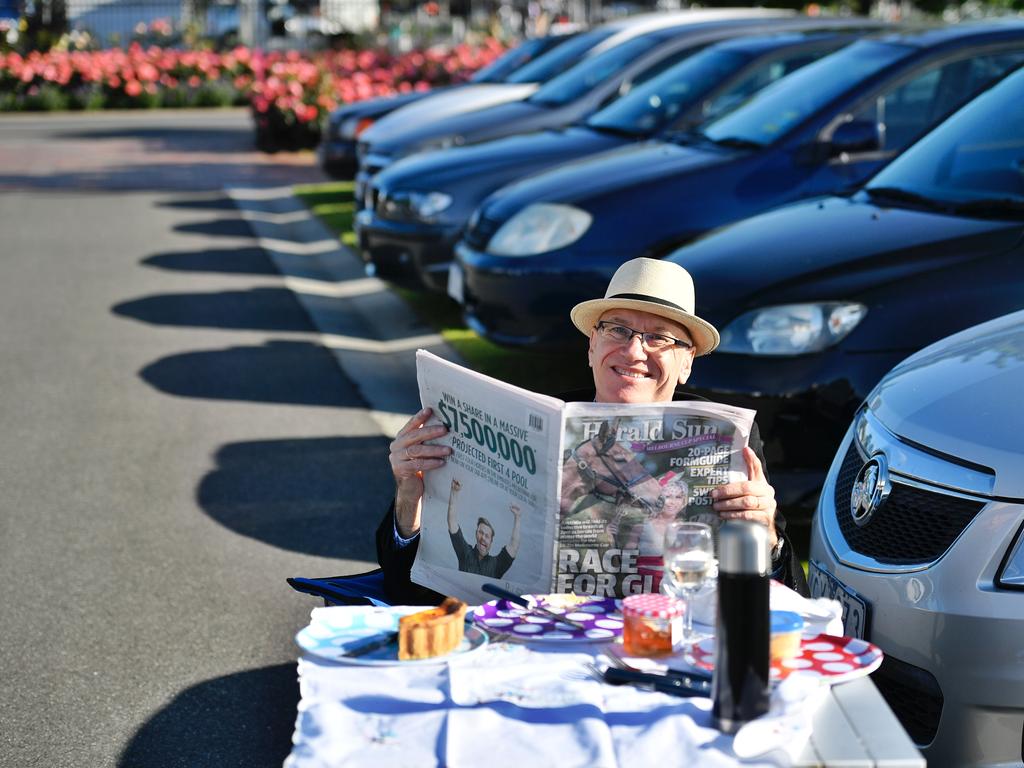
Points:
[[539, 228], [442, 142], [791, 329], [414, 205], [351, 127], [1011, 575]]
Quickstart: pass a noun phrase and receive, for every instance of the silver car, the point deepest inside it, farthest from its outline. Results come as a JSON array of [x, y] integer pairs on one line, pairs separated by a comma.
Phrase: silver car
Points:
[[919, 533]]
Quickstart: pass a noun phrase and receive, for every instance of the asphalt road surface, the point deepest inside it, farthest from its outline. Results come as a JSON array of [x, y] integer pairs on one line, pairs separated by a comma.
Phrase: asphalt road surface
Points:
[[174, 443]]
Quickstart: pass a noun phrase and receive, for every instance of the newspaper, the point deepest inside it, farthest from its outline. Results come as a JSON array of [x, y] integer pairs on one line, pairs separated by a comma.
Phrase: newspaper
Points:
[[542, 496]]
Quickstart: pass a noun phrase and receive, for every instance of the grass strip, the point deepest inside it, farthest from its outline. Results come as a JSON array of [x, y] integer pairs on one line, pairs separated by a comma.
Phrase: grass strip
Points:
[[333, 203]]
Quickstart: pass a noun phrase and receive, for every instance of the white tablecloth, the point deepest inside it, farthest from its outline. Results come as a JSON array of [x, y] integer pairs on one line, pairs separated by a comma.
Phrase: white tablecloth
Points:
[[506, 704]]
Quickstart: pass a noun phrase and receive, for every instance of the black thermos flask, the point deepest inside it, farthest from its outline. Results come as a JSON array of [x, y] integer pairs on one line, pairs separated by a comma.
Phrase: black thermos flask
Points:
[[740, 681]]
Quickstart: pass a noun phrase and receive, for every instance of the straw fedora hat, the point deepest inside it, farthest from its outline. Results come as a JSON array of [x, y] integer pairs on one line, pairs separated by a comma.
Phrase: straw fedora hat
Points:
[[650, 285]]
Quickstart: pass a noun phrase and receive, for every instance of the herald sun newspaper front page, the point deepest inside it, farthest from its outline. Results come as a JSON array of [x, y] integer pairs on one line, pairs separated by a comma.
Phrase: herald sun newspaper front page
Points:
[[542, 496]]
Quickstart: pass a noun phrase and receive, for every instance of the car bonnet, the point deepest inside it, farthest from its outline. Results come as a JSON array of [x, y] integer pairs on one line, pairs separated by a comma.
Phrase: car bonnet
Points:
[[637, 168], [961, 397], [469, 97], [828, 249], [510, 158]]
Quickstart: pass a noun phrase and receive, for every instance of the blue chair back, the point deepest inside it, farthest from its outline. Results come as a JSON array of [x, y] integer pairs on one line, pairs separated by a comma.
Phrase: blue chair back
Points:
[[357, 589]]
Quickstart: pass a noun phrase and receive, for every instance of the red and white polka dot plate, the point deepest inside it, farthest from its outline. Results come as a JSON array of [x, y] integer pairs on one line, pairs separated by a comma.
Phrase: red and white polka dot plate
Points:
[[835, 659]]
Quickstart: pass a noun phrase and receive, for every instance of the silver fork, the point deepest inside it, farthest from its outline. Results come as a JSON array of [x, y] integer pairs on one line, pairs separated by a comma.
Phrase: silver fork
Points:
[[615, 660], [589, 671]]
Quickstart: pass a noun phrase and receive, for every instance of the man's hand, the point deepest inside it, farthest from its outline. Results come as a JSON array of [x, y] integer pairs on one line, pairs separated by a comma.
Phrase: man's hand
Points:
[[752, 499], [513, 543], [410, 457]]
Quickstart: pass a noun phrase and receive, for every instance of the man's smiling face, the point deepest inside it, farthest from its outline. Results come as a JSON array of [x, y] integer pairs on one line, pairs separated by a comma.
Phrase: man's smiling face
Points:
[[484, 535], [629, 373]]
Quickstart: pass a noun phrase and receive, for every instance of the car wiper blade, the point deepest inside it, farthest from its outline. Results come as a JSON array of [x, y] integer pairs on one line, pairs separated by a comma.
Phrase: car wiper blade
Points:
[[991, 206], [896, 194], [544, 103], [736, 142], [687, 136], [615, 130]]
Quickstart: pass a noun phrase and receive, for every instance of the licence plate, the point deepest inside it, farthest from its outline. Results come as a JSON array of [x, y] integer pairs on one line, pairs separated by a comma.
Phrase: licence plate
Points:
[[856, 610], [455, 283]]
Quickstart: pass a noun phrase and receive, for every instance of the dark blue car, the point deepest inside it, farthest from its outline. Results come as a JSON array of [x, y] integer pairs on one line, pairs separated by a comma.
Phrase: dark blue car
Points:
[[817, 300], [413, 247], [338, 148], [535, 248], [578, 78]]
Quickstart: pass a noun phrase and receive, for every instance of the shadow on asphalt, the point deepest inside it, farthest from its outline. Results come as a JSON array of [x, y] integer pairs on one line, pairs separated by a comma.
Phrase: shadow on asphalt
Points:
[[201, 204], [192, 176], [294, 372], [219, 228], [172, 138], [245, 719], [319, 496], [262, 309], [248, 260]]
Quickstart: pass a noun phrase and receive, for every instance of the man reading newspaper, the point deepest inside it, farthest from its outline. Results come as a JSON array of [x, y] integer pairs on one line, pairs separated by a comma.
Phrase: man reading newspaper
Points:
[[643, 339]]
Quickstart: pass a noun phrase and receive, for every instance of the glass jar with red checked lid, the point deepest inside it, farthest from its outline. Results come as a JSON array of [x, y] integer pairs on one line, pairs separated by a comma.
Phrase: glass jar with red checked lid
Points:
[[652, 624]]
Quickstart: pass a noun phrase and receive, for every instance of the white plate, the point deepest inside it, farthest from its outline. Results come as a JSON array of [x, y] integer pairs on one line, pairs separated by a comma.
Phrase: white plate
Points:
[[329, 638]]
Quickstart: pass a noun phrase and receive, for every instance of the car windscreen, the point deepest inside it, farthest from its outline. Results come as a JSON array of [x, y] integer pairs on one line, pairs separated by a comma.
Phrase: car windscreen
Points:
[[656, 103], [555, 62], [973, 163], [515, 58], [778, 108], [593, 71]]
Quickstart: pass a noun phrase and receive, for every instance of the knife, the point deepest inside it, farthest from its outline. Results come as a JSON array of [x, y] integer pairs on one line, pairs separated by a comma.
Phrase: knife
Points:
[[374, 643], [512, 597], [686, 675], [677, 685]]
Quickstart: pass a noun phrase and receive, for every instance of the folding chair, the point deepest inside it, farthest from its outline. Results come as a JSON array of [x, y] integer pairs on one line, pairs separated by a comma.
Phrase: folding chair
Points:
[[357, 589]]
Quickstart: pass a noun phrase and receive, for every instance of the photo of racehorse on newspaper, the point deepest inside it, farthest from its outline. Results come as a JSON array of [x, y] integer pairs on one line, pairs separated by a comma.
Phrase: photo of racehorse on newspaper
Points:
[[624, 479]]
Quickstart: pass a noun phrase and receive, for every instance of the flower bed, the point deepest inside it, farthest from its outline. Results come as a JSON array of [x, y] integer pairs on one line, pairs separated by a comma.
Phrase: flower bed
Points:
[[290, 93]]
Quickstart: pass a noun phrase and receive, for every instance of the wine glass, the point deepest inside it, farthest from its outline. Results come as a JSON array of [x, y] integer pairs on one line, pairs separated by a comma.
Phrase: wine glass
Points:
[[688, 553]]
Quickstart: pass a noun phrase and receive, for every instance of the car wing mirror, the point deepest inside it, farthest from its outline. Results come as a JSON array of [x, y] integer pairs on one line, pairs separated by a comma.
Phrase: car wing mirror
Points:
[[855, 136]]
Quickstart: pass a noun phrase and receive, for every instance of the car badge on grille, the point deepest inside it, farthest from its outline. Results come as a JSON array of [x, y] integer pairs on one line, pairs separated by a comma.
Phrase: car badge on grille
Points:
[[870, 489]]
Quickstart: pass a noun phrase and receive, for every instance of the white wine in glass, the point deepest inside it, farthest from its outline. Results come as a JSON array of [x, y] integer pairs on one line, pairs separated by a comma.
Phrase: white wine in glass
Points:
[[688, 553]]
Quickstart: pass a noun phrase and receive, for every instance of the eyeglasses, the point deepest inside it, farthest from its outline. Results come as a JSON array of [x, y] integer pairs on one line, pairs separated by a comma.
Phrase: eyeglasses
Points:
[[623, 334]]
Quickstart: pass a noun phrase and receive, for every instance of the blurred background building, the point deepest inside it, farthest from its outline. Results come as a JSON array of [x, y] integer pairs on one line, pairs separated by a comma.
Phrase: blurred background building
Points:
[[401, 24]]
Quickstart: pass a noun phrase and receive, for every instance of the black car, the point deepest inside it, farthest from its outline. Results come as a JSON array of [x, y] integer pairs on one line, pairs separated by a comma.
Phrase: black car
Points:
[[414, 250], [338, 148], [596, 66], [818, 300], [536, 247]]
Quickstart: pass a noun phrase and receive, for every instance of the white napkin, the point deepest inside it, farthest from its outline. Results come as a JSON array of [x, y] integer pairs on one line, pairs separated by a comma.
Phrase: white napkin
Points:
[[513, 673], [519, 707], [782, 733]]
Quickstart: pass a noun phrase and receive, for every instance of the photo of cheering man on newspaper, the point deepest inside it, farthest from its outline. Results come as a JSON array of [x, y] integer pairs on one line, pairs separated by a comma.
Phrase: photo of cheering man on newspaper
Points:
[[477, 557]]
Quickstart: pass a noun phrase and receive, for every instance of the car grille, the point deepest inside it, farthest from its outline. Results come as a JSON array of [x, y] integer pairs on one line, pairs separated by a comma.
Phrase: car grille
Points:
[[480, 233], [913, 526], [914, 696]]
